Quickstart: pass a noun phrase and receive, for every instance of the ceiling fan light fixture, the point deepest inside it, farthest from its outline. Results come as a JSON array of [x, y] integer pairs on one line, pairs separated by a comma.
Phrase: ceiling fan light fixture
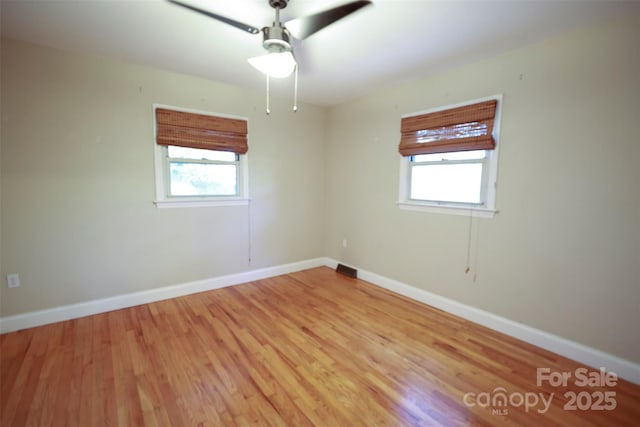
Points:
[[275, 64]]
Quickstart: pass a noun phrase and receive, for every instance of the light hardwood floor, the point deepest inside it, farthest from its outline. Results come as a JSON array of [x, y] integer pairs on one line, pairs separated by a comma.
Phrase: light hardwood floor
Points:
[[309, 348]]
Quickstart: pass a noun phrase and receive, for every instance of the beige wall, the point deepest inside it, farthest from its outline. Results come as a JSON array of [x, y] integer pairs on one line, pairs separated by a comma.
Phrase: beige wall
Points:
[[78, 222], [563, 254]]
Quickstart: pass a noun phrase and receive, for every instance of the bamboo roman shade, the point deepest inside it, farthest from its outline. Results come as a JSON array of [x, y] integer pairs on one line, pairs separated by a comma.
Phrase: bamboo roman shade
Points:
[[458, 129], [201, 131]]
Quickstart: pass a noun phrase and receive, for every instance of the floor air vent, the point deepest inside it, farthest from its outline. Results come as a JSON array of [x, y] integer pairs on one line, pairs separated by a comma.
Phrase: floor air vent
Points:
[[347, 271]]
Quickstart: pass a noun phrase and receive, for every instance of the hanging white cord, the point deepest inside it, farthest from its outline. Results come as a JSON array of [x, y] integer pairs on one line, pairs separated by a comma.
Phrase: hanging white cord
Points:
[[295, 90], [268, 110], [249, 233], [475, 262], [469, 242]]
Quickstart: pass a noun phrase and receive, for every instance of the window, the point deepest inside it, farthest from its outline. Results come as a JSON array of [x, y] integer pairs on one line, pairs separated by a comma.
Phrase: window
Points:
[[201, 173], [200, 159], [456, 177], [449, 159]]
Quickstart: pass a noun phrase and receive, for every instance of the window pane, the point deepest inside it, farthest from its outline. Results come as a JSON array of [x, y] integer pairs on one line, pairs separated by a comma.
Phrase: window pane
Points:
[[457, 155], [201, 179], [198, 154], [447, 183]]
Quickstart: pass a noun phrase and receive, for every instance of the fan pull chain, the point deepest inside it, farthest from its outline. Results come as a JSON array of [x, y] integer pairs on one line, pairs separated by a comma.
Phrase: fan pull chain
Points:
[[295, 91], [268, 110]]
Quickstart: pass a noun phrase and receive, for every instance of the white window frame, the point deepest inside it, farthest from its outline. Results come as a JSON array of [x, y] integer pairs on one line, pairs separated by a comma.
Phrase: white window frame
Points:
[[486, 210], [162, 177]]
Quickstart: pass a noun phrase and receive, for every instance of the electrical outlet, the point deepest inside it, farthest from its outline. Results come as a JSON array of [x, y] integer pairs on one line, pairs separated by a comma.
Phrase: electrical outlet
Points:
[[344, 243], [13, 280]]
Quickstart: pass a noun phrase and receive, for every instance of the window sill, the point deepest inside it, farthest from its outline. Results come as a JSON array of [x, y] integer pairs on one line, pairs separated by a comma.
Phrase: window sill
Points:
[[200, 203], [447, 209]]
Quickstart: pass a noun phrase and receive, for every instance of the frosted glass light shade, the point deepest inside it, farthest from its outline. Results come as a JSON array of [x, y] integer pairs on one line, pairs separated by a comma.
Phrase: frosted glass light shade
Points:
[[274, 64]]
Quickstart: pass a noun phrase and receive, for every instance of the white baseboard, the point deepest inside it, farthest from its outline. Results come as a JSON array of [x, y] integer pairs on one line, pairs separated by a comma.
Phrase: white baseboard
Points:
[[73, 311], [579, 352]]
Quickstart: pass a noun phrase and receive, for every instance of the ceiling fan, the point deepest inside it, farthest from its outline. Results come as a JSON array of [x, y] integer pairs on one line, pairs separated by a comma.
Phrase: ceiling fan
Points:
[[279, 61]]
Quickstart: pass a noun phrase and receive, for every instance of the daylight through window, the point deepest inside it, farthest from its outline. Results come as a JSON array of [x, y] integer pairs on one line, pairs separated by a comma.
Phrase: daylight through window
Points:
[[199, 172]]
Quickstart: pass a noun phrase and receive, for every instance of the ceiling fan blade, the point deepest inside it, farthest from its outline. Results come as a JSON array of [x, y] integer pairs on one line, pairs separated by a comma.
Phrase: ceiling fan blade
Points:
[[240, 25], [301, 28]]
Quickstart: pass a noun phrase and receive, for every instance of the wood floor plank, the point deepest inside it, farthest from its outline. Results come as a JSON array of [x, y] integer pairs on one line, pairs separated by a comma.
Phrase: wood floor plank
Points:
[[312, 348]]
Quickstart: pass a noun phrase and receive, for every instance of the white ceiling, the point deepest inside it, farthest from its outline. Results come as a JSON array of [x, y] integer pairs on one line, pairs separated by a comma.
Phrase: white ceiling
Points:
[[380, 45]]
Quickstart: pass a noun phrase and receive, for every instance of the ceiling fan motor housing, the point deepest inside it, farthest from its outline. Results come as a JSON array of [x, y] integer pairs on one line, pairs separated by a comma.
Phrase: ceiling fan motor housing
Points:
[[276, 39], [278, 4]]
